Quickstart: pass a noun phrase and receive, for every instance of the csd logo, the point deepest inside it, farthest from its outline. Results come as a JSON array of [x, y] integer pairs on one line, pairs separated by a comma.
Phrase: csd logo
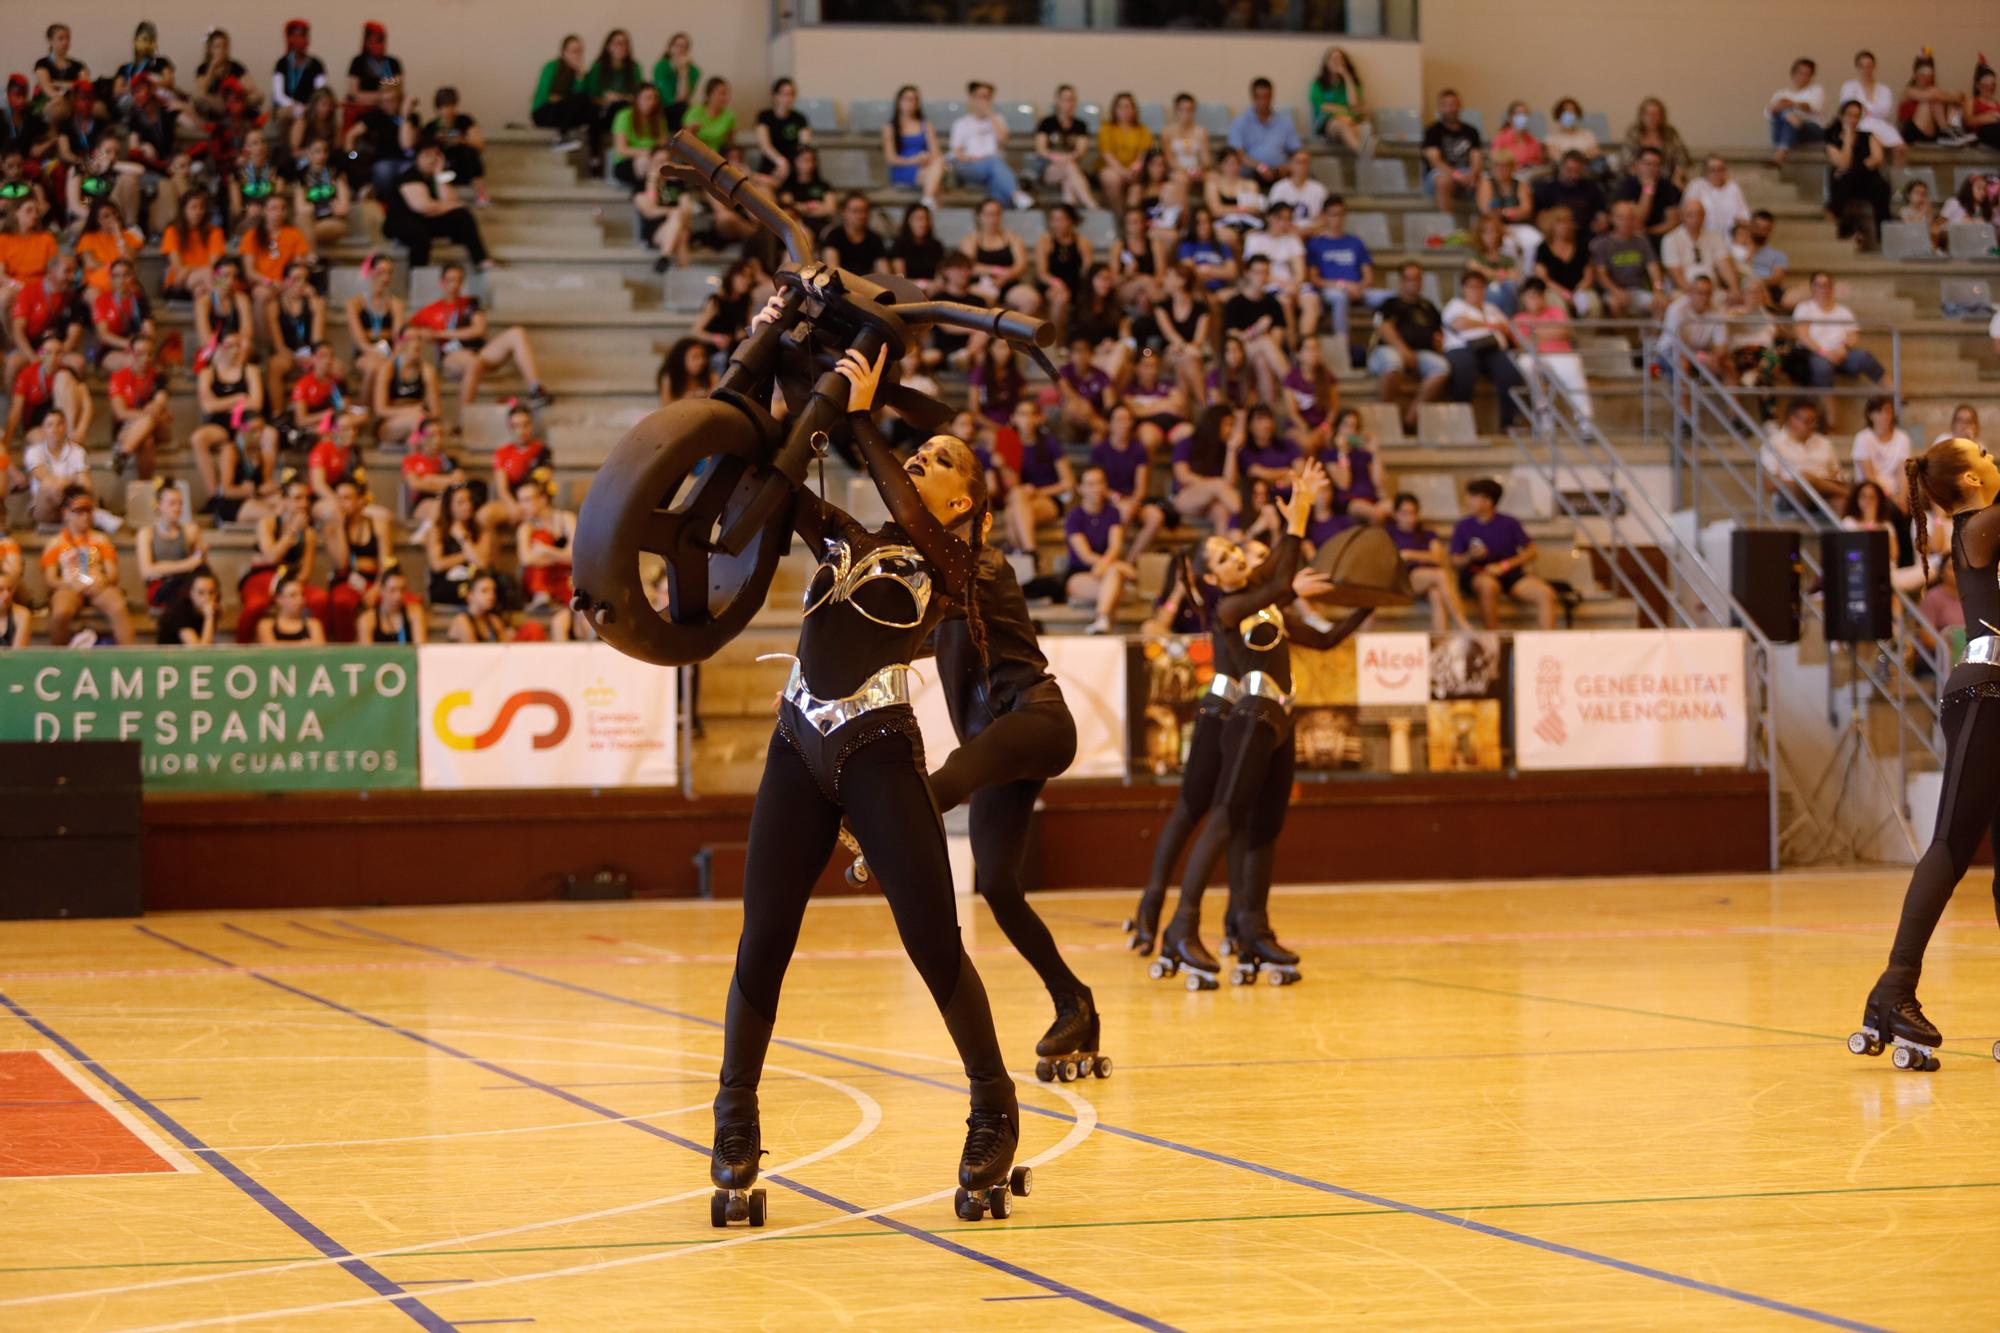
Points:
[[457, 699]]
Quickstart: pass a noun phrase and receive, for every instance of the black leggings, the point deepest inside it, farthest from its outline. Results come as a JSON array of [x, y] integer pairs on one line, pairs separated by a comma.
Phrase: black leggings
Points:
[[793, 828], [569, 114], [418, 234], [1002, 769], [1198, 778], [1968, 807], [1248, 813]]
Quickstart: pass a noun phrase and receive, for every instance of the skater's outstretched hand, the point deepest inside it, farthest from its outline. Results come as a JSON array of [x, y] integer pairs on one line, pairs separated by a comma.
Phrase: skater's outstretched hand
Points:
[[865, 378], [1310, 583], [1296, 510], [772, 309]]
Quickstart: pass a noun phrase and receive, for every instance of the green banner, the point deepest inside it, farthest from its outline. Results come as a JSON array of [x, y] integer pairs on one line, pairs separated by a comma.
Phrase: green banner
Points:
[[219, 719]]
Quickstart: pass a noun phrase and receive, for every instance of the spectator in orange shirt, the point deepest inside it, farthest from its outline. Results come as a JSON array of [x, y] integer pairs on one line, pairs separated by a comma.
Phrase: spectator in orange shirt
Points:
[[456, 325], [271, 246], [120, 314], [141, 419], [191, 244], [105, 238], [81, 565], [26, 249]]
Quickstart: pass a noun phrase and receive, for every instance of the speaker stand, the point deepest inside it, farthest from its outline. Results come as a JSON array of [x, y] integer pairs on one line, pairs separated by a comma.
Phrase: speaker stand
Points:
[[1844, 843]]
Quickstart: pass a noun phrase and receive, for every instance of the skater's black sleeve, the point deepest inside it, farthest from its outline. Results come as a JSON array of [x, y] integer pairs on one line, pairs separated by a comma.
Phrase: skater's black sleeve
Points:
[[1271, 582], [948, 556], [1980, 536], [1309, 629]]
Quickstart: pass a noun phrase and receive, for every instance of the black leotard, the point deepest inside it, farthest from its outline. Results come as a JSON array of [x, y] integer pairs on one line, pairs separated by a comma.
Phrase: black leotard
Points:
[[993, 257], [1975, 535], [1066, 262], [296, 327], [299, 635], [406, 390], [376, 322]]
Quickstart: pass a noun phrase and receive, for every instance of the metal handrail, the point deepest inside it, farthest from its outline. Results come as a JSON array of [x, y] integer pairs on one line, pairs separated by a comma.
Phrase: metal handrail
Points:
[[1558, 417]]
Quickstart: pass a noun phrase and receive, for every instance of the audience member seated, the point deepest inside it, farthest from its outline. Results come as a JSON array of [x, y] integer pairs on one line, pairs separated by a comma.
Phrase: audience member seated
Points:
[[189, 621], [457, 547], [456, 327], [1208, 251], [1569, 133], [254, 180], [518, 460], [1769, 264], [380, 143], [1831, 338], [424, 208], [1062, 143], [1692, 251], [80, 566], [910, 147], [561, 101], [725, 314], [405, 396], [428, 473], [1657, 198], [666, 211], [358, 541], [1982, 107], [1795, 112], [1309, 396], [1878, 104], [1186, 146], [170, 550], [1409, 345], [1493, 554], [685, 372], [1298, 191], [52, 306], [396, 615], [1045, 482], [1339, 106], [999, 262], [1341, 270], [711, 120], [1505, 192], [120, 315], [638, 131], [1256, 315], [543, 537], [104, 242], [56, 462], [1205, 467], [294, 322], [978, 149], [1125, 459], [1479, 341], [1857, 191], [288, 620], [481, 620], [1492, 255], [321, 195], [1429, 561], [781, 131], [287, 544], [1798, 460], [1265, 138], [1720, 197], [1086, 394], [611, 83], [192, 246], [1624, 268], [1182, 318], [1123, 147], [850, 242], [297, 75], [1650, 128], [1234, 199], [1094, 533], [1353, 461], [1880, 450], [805, 192], [46, 387], [1573, 189], [1454, 155], [142, 420]]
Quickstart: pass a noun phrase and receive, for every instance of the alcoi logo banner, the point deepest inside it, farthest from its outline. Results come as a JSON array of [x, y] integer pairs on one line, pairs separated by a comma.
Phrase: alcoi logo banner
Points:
[[220, 719]]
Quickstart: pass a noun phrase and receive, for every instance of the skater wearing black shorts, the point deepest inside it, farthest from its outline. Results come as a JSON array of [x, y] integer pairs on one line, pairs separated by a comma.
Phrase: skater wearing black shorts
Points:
[[1960, 477], [847, 744]]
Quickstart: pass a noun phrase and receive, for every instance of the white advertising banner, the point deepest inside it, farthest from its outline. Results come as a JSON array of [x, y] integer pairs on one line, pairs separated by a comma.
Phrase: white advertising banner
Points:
[[1630, 699], [1091, 672], [1392, 669], [543, 715]]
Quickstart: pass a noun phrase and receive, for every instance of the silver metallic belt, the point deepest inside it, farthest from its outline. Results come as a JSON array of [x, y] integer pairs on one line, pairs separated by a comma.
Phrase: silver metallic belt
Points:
[[884, 689], [1261, 685], [1226, 688], [1985, 650]]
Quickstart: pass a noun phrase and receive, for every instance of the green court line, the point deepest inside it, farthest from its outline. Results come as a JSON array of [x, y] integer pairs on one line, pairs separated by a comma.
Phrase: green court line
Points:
[[1649, 1013], [1056, 1226]]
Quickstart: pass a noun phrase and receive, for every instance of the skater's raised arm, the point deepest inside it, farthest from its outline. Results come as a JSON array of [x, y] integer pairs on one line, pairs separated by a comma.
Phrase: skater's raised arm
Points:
[[949, 555], [1271, 585]]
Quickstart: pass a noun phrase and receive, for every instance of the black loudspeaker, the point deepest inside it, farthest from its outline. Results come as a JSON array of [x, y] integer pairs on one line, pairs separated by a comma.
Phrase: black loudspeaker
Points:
[[70, 839], [1764, 579], [1855, 569]]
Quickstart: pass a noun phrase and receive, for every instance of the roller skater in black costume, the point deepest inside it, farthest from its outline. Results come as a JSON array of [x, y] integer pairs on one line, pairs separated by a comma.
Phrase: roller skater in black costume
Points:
[[1254, 790], [1960, 477], [847, 743]]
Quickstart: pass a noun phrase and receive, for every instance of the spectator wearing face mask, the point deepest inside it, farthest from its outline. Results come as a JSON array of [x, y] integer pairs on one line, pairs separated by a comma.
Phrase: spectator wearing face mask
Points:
[[1569, 134], [1530, 153]]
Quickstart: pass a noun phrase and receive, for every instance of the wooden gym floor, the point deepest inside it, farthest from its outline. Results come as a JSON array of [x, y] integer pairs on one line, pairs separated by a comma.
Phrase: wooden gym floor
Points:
[[1576, 1105]]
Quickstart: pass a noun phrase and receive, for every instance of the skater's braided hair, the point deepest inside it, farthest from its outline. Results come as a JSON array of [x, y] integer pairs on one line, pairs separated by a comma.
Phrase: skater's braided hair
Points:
[[970, 471], [1932, 479]]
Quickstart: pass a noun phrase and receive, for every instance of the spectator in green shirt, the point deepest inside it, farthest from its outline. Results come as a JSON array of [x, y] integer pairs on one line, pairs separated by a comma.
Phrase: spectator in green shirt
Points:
[[677, 77], [560, 103], [712, 121], [613, 81], [635, 132], [1338, 112]]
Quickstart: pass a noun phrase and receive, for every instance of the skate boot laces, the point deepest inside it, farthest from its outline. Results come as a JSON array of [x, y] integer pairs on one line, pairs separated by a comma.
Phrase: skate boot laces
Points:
[[986, 1133], [737, 1142]]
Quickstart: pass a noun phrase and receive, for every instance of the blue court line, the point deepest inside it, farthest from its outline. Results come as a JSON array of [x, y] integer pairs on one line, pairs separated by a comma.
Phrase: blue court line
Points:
[[1017, 1298], [373, 1278], [251, 934], [1053, 1285], [1222, 1159]]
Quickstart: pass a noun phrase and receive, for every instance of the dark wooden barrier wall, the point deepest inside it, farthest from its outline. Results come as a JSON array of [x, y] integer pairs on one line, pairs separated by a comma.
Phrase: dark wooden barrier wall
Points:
[[448, 847]]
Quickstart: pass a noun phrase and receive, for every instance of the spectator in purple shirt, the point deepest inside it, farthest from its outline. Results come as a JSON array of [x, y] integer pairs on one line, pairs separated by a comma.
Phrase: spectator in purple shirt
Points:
[[1205, 467], [1430, 572], [1493, 554], [1044, 479], [1128, 473], [1096, 539], [1086, 392], [995, 384], [1354, 466], [1328, 519], [1269, 454]]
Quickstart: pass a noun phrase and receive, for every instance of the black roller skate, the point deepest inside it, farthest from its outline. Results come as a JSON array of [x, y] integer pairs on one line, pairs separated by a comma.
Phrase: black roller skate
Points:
[[733, 1167], [1895, 1019], [1144, 924], [987, 1175], [857, 870], [1068, 1050], [1231, 947], [1261, 953], [1183, 951]]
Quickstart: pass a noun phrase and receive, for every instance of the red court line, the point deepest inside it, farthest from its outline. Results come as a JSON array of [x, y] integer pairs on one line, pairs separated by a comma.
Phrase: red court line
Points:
[[53, 1124]]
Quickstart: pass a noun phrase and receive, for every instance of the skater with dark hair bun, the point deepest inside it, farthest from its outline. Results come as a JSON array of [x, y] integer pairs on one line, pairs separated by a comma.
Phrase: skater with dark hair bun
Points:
[[1254, 789], [1959, 477], [847, 745]]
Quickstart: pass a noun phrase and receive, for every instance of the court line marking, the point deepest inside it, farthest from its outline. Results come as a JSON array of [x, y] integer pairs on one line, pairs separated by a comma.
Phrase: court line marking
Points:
[[138, 1128], [1082, 1122], [253, 935], [419, 1313], [470, 1133], [1256, 1168], [871, 1117]]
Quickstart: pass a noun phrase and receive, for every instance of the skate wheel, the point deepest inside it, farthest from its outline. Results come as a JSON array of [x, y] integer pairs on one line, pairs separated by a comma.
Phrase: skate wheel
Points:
[[1131, 926], [1241, 976], [1159, 969], [1902, 1057], [967, 1205], [1931, 1065], [1066, 1071], [1103, 1066], [1194, 981], [1996, 1050], [1858, 1043], [1021, 1180], [718, 1209], [756, 1208], [998, 1204], [1283, 978], [1045, 1071]]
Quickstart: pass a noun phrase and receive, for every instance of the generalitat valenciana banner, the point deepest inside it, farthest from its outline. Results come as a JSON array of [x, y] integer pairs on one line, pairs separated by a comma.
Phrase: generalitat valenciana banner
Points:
[[1630, 699]]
